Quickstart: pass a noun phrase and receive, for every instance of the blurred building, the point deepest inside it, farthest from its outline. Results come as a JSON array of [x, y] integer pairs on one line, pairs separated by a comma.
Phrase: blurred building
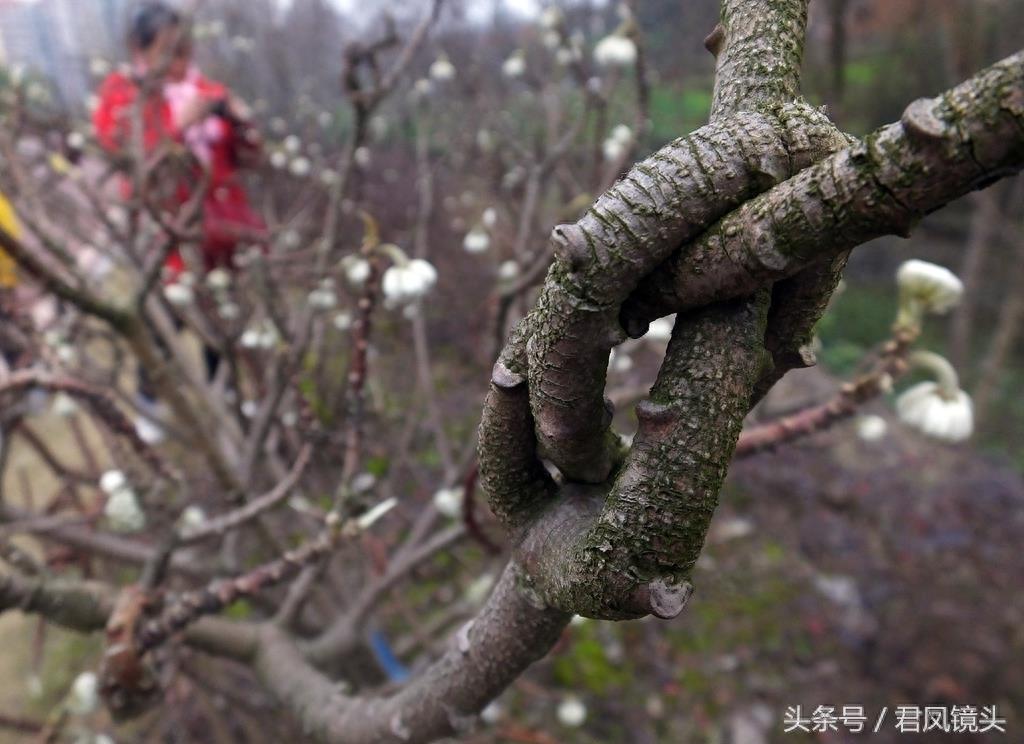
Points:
[[57, 39]]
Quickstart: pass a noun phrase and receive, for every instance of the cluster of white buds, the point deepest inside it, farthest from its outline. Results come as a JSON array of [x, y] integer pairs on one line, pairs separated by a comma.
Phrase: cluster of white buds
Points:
[[84, 697], [514, 66], [442, 70], [925, 288], [938, 409], [617, 143], [615, 50], [407, 281], [122, 510], [262, 335], [448, 501], [323, 297]]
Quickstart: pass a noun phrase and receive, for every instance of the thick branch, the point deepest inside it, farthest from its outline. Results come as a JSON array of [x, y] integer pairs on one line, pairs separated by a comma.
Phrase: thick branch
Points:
[[662, 202], [941, 149]]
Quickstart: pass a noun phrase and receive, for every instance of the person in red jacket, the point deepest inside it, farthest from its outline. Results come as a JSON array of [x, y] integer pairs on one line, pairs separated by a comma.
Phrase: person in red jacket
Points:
[[184, 109]]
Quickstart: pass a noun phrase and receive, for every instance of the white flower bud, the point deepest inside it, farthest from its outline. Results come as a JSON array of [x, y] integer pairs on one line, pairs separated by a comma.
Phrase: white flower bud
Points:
[[250, 339], [357, 270], [362, 157], [514, 66], [485, 140], [489, 218], [66, 354], [278, 160], [218, 279], [933, 288], [947, 416], [292, 144], [123, 512], [508, 271], [442, 69], [84, 697], [112, 480], [615, 51], [229, 311], [250, 408], [422, 88], [613, 150], [363, 482], [322, 299], [871, 428], [193, 517], [76, 140], [572, 712], [300, 167], [551, 39], [476, 241], [64, 405], [178, 294], [550, 18], [342, 321], [448, 501], [622, 133], [329, 177]]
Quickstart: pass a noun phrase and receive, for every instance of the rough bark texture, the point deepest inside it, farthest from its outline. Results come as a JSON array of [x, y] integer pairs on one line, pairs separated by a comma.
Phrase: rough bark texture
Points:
[[941, 149], [509, 634], [660, 204], [618, 535]]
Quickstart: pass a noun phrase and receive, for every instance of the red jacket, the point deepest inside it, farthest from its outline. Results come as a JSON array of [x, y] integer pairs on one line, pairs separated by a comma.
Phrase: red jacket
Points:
[[218, 143]]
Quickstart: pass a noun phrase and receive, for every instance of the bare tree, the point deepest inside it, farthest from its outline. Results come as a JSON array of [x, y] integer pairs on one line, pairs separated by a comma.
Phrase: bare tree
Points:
[[741, 228]]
